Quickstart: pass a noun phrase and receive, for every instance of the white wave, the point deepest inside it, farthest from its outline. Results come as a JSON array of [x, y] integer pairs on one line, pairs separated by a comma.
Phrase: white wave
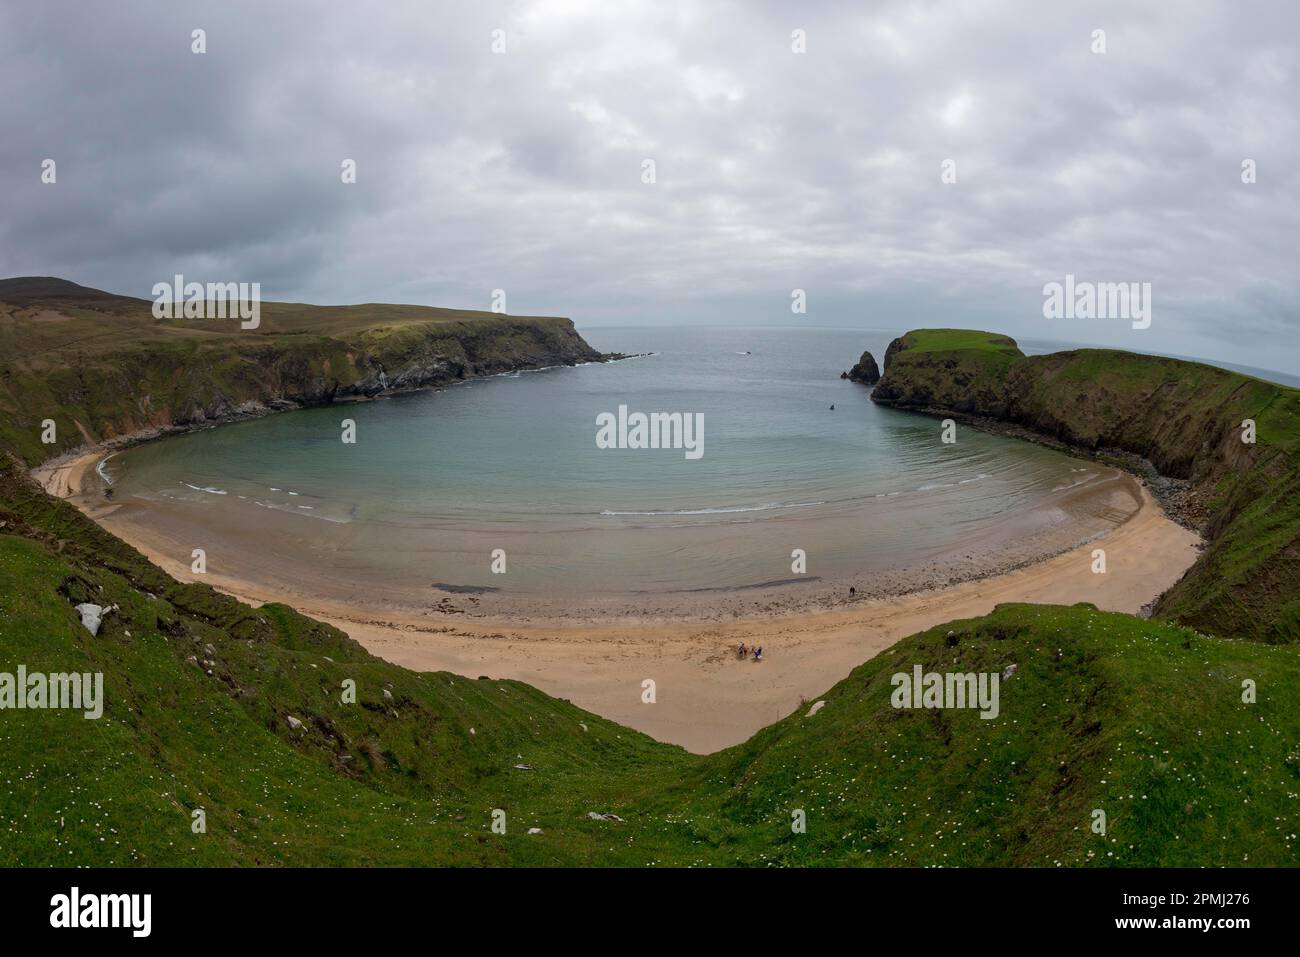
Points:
[[213, 491], [720, 511], [99, 469], [1070, 485], [938, 485], [308, 508]]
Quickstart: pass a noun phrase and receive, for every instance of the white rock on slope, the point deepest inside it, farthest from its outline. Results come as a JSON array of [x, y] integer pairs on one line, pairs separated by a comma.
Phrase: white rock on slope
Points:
[[91, 616]]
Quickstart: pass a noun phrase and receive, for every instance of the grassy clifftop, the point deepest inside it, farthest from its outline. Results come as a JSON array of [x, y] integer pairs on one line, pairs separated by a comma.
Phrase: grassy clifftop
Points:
[[1186, 418], [101, 366], [1142, 720]]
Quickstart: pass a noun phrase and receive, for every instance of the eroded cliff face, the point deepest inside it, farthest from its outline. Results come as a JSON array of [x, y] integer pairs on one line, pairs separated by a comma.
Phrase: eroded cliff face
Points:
[[1181, 416], [420, 359], [135, 390], [942, 380], [1187, 419]]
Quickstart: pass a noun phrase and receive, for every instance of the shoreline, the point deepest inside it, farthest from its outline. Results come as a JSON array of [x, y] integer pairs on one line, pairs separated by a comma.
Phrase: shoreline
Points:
[[278, 554], [706, 698]]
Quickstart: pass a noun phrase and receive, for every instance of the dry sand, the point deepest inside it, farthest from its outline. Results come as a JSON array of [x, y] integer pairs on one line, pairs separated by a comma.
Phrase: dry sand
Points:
[[706, 699]]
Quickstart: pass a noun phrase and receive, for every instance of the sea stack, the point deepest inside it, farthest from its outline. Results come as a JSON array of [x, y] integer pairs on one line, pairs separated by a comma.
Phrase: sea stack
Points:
[[865, 371]]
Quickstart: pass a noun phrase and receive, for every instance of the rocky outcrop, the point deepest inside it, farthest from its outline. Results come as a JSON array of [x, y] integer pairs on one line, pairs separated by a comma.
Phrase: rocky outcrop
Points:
[[864, 371], [1184, 418], [1173, 413]]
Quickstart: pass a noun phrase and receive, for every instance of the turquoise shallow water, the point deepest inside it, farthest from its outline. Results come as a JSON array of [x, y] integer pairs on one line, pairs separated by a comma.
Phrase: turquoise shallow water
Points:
[[436, 481]]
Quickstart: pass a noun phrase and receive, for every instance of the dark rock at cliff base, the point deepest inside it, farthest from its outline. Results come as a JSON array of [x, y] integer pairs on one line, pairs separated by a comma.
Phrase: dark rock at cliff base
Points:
[[865, 371]]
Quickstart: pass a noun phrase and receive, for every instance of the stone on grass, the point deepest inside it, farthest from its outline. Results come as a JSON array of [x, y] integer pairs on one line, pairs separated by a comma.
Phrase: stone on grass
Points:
[[91, 616]]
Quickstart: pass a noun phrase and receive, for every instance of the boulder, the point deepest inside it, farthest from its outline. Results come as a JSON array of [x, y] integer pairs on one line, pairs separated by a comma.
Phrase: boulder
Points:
[[91, 616]]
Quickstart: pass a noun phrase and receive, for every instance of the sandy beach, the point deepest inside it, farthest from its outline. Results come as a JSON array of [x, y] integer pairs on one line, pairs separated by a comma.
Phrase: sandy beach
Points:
[[706, 699], [66, 478]]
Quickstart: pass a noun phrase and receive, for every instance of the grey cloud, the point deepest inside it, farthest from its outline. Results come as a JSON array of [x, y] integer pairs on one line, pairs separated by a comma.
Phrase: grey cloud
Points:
[[775, 170]]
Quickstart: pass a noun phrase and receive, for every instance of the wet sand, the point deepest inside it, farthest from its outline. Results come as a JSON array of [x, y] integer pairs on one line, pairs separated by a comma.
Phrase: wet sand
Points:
[[706, 698]]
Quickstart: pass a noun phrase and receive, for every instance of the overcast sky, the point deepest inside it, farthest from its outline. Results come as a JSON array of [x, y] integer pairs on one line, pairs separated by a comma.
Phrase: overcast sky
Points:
[[774, 170]]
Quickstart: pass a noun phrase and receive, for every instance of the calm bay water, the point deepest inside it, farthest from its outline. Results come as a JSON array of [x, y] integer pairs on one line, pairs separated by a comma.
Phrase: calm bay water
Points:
[[436, 481]]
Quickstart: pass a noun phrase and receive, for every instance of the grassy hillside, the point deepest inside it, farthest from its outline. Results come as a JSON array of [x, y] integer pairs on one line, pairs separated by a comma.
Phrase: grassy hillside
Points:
[[242, 712], [1143, 720], [1139, 719], [102, 366], [1184, 417], [200, 689]]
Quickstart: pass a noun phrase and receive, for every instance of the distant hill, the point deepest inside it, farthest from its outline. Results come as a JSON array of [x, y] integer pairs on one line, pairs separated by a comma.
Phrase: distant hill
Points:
[[50, 290], [104, 368]]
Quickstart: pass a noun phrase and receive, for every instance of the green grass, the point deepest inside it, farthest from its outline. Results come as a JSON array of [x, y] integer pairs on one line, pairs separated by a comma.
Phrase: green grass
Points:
[[1141, 719], [955, 340], [398, 780]]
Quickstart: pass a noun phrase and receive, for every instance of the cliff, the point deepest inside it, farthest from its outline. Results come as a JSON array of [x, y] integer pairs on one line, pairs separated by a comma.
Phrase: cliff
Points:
[[1185, 418], [102, 367]]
